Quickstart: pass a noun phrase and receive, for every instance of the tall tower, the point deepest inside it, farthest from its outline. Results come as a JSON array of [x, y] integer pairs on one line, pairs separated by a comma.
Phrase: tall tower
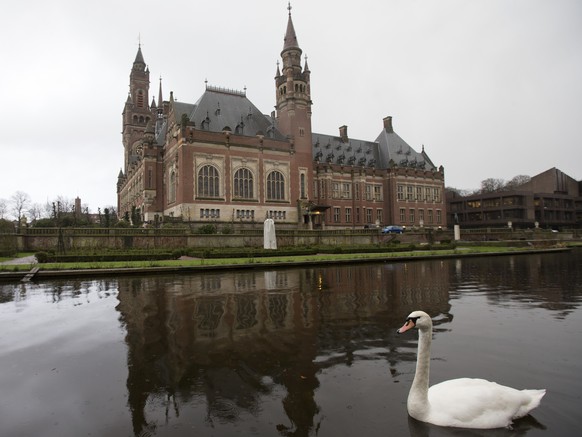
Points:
[[293, 92], [136, 112]]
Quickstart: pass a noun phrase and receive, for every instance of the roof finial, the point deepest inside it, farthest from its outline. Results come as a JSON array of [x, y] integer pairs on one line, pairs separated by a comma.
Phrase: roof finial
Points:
[[289, 7]]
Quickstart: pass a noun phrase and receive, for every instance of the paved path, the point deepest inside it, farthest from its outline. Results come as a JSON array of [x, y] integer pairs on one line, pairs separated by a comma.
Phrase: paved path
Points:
[[24, 260]]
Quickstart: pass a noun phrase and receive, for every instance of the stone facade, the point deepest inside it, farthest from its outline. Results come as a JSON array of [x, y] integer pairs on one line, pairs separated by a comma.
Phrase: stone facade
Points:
[[221, 161]]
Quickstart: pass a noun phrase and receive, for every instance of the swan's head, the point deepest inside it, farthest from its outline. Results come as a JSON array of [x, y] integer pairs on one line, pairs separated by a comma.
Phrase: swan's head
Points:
[[416, 319]]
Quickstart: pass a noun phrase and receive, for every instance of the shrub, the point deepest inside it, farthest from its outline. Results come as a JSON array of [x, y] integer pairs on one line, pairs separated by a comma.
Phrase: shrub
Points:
[[207, 229], [42, 257]]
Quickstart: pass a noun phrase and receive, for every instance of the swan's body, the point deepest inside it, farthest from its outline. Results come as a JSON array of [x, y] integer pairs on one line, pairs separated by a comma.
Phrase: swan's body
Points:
[[463, 402]]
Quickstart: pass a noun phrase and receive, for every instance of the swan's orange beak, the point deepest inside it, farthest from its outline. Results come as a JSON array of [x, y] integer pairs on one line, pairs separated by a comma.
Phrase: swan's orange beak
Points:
[[408, 325]]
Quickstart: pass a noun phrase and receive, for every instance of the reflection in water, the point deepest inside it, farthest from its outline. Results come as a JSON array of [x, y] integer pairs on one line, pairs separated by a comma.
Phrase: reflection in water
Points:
[[293, 352], [540, 281], [228, 338]]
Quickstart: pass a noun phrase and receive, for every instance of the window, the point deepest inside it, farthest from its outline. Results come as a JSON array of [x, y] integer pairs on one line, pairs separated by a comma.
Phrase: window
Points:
[[368, 192], [411, 216], [368, 215], [419, 194], [275, 186], [427, 194], [243, 184], [140, 99], [302, 185], [348, 215], [322, 189], [377, 192], [336, 215], [439, 216], [379, 216], [150, 178], [437, 194], [402, 215], [400, 191], [430, 217], [409, 192], [421, 216], [346, 191], [357, 215], [208, 182], [172, 187], [357, 189], [335, 190], [209, 213]]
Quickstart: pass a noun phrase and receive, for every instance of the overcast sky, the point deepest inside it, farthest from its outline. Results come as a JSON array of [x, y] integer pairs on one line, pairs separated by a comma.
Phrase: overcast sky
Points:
[[491, 88]]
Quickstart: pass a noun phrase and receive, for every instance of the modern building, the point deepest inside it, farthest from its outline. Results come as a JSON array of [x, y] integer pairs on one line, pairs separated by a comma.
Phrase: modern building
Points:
[[221, 160], [551, 199]]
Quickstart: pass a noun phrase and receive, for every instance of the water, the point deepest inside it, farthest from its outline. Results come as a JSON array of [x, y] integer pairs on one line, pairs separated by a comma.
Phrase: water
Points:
[[293, 352]]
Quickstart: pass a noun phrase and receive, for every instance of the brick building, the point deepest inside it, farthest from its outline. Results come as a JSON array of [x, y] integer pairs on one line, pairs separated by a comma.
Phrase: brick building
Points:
[[221, 160], [551, 199]]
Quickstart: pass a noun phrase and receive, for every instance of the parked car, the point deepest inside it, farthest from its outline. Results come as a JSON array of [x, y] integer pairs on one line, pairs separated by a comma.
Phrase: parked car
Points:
[[392, 230]]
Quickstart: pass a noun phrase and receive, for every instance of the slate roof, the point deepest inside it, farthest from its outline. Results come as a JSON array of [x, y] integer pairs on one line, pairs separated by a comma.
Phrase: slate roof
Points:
[[361, 153], [331, 149], [220, 109]]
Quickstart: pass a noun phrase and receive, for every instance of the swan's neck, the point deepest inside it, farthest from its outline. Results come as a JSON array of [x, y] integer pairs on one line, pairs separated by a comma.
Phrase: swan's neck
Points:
[[418, 405]]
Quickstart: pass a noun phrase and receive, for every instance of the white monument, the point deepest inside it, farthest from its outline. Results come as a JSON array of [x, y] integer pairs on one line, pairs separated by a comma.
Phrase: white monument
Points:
[[269, 237]]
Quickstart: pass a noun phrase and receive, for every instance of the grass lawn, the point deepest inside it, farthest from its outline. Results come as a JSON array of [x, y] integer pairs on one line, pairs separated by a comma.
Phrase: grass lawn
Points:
[[197, 262]]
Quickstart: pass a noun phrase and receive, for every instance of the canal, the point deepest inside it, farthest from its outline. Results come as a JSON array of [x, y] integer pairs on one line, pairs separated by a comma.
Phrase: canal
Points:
[[291, 352]]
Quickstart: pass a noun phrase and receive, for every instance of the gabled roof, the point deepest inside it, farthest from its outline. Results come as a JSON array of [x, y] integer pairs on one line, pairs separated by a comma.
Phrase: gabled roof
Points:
[[219, 109], [393, 148]]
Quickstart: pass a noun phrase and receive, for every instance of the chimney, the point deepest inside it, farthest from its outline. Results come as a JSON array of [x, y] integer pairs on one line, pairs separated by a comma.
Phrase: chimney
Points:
[[388, 124], [344, 133]]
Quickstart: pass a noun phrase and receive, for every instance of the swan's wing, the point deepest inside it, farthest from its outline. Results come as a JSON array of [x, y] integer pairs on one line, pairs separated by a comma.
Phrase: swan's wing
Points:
[[477, 403]]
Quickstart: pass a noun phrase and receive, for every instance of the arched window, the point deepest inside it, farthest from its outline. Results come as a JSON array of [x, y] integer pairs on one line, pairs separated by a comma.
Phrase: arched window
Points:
[[172, 187], [140, 98], [243, 184], [275, 186], [208, 182]]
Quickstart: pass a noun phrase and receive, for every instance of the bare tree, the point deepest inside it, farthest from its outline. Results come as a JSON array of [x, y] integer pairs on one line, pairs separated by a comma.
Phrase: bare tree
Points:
[[64, 205], [3, 208], [20, 201], [35, 212], [518, 180], [492, 185], [458, 191]]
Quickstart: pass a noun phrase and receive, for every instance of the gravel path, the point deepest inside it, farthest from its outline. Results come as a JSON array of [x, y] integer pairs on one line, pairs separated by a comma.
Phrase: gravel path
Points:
[[24, 260]]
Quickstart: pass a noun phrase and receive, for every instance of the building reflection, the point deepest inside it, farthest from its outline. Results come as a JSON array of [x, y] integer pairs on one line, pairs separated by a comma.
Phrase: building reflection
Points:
[[225, 340], [537, 280]]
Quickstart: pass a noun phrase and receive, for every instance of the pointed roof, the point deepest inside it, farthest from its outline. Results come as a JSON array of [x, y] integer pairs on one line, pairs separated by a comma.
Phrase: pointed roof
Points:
[[139, 57], [290, 39], [160, 100], [392, 147]]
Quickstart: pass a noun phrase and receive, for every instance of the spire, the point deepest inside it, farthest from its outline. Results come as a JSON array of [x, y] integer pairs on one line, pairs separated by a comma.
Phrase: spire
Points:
[[290, 40], [139, 56], [160, 100], [306, 68], [278, 74]]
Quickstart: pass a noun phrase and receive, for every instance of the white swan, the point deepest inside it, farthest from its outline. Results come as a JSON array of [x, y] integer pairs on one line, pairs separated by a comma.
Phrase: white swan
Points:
[[464, 402]]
